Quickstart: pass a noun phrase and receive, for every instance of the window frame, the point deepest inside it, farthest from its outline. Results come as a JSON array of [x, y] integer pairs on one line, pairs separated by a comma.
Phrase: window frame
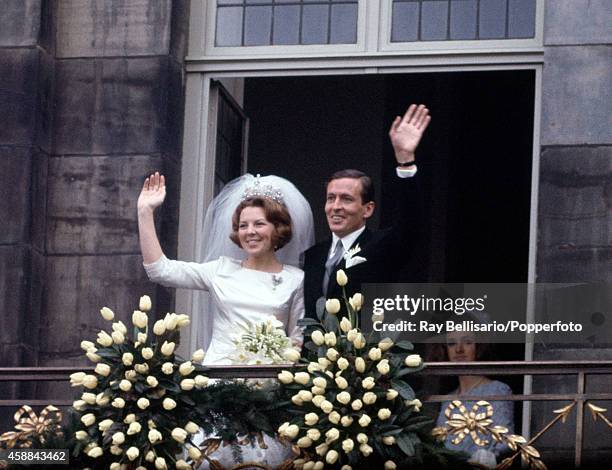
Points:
[[374, 24]]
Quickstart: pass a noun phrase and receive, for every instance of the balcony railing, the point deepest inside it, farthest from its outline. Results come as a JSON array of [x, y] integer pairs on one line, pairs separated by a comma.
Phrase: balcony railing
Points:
[[580, 369]]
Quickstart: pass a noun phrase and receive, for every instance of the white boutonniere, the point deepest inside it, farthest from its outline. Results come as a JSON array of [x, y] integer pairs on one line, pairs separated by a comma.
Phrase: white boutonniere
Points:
[[351, 260]]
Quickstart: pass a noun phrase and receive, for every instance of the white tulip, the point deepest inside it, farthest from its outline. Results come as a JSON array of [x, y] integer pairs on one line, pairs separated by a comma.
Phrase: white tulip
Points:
[[79, 405], [348, 445], [322, 449], [152, 381], [357, 404], [145, 303], [76, 379], [194, 453], [167, 348], [134, 428], [326, 406], [292, 431], [160, 464], [118, 438], [341, 383], [413, 360], [130, 375], [343, 397], [391, 394], [167, 368], [305, 395], [332, 306], [154, 436], [118, 403], [331, 435], [296, 400], [332, 354], [142, 338], [364, 421], [317, 400], [186, 368], [168, 404], [132, 453], [120, 327], [182, 320], [143, 403], [323, 362], [313, 434], [129, 419], [383, 367], [187, 384], [388, 440], [385, 344], [88, 419], [368, 383], [90, 382], [93, 357], [341, 278], [118, 337], [102, 369], [95, 452], [125, 385], [416, 403], [171, 321], [291, 354], [198, 356], [343, 363], [147, 353], [369, 398], [375, 354], [116, 450], [201, 381], [362, 438], [102, 400], [81, 435], [104, 339], [351, 335], [346, 421], [159, 327], [107, 314], [182, 465], [334, 417], [356, 301], [331, 457], [345, 325], [89, 398], [127, 359], [360, 341], [390, 465], [301, 378], [384, 413], [88, 346], [317, 337], [319, 382], [304, 442], [311, 419], [360, 365], [192, 427], [365, 449]]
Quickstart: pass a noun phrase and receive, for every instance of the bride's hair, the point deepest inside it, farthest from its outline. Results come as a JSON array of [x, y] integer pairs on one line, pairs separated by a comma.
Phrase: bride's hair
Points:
[[276, 213]]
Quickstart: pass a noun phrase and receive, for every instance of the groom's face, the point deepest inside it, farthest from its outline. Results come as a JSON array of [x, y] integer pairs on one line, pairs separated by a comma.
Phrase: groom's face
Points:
[[344, 208]]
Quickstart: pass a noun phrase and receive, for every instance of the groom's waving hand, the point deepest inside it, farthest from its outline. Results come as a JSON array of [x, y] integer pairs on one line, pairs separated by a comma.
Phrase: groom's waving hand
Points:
[[368, 256]]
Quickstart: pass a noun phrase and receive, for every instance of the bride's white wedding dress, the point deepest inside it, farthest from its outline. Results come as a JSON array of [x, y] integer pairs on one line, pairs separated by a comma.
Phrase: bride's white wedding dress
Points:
[[241, 295]]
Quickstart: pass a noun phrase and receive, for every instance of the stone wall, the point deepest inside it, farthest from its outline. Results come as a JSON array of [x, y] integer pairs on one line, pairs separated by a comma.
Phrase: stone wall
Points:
[[93, 96], [575, 197]]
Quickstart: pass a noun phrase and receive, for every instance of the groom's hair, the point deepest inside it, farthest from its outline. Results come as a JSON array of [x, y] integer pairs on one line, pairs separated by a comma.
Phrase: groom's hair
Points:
[[367, 187], [276, 213]]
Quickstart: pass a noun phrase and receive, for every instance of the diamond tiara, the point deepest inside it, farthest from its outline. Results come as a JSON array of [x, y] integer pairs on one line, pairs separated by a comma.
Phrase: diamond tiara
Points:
[[263, 190]]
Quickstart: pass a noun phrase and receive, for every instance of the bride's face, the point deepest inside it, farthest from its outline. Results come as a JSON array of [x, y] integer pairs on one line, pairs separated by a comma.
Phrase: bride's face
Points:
[[255, 232]]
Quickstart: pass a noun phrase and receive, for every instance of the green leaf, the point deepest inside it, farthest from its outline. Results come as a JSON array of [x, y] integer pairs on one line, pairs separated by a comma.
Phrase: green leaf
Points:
[[307, 322], [417, 422], [405, 444], [404, 345], [331, 322], [403, 389], [107, 353], [408, 370]]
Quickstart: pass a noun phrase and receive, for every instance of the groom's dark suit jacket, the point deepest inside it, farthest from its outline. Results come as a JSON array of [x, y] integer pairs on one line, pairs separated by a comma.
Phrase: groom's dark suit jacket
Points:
[[387, 251]]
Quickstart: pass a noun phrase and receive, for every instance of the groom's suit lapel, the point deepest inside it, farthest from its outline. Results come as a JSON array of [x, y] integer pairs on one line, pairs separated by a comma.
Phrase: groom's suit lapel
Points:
[[334, 289]]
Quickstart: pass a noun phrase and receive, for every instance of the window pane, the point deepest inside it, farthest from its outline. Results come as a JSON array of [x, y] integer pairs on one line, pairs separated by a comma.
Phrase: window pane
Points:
[[521, 19], [463, 19], [257, 26], [434, 20], [229, 26], [492, 19], [405, 22], [286, 24], [229, 2], [314, 24], [343, 24]]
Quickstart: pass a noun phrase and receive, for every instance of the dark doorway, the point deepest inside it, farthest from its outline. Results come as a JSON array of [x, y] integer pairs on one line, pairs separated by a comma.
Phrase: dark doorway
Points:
[[475, 160]]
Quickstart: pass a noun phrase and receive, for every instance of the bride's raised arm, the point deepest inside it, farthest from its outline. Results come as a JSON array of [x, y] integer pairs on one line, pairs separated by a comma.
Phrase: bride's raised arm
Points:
[[151, 197]]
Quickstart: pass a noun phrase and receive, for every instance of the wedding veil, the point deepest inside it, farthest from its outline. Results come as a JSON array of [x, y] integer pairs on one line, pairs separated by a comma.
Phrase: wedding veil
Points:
[[218, 220]]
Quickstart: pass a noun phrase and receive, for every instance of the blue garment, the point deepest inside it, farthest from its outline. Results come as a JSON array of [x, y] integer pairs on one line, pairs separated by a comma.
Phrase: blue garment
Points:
[[503, 415]]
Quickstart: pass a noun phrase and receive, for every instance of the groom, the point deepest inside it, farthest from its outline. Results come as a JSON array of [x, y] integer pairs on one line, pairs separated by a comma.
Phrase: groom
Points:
[[349, 204]]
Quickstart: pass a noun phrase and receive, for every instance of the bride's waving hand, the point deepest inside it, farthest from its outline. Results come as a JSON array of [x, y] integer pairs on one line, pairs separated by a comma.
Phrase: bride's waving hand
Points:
[[151, 197]]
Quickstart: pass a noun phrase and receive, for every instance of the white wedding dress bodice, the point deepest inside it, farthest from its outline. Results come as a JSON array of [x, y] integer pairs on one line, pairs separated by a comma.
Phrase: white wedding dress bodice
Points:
[[240, 294]]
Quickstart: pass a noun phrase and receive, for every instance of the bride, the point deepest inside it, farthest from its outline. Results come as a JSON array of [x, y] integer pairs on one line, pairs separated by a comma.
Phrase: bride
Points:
[[268, 220]]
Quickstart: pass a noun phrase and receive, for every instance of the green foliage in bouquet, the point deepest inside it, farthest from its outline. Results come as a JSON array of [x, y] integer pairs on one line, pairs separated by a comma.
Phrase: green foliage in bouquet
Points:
[[353, 406]]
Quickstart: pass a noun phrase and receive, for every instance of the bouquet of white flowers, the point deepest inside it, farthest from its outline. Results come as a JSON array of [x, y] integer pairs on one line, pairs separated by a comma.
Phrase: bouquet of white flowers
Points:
[[263, 343]]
